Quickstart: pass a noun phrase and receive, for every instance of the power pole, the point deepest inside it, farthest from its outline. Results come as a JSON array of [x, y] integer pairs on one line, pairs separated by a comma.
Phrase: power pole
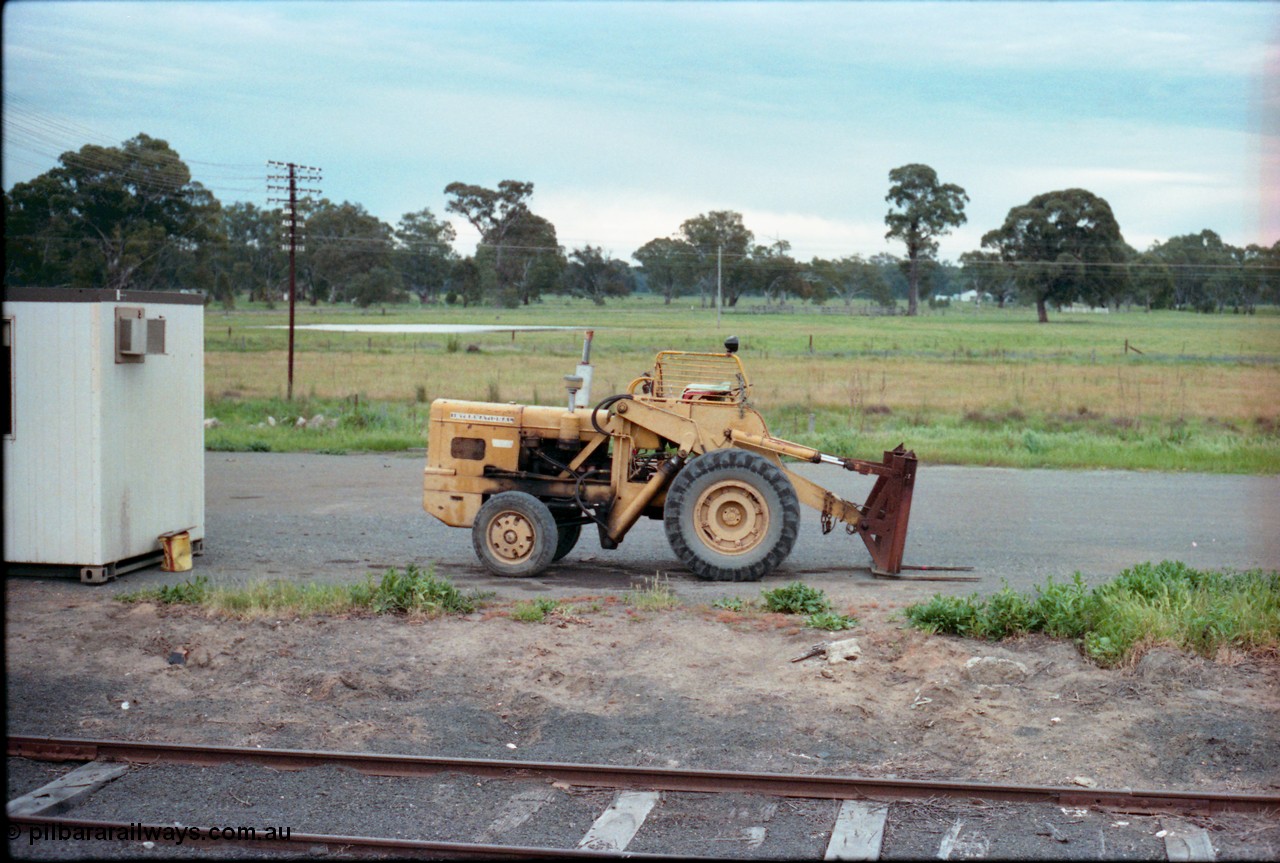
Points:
[[719, 292], [293, 226]]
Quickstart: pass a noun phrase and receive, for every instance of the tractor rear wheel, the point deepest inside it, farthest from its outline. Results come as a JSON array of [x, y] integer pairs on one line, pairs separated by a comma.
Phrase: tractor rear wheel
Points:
[[731, 515], [515, 534]]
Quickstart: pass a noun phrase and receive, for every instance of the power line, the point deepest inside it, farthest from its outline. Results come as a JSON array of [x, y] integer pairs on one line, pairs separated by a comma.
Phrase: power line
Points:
[[320, 240], [34, 131]]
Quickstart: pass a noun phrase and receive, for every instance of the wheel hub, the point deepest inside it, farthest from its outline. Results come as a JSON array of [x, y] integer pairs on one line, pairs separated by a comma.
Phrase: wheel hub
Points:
[[731, 517], [511, 536]]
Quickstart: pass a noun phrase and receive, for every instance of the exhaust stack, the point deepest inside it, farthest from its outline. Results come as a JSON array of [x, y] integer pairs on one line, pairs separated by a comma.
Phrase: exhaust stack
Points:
[[585, 370]]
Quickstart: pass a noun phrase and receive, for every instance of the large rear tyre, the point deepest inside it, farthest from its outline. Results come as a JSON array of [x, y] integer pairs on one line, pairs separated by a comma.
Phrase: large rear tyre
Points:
[[731, 515], [568, 538], [515, 535]]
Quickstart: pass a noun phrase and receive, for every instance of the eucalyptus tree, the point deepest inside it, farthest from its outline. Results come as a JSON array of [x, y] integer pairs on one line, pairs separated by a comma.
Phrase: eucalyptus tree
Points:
[[526, 265], [1151, 281], [668, 266], [923, 210], [518, 256], [108, 217], [249, 254], [347, 255], [424, 254], [722, 248], [1262, 273], [464, 284], [592, 274], [988, 275], [849, 278], [777, 273], [893, 273], [1065, 246], [1208, 273]]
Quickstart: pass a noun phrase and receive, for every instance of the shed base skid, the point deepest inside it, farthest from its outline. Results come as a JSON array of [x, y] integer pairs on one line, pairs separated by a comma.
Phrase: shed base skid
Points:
[[99, 573]]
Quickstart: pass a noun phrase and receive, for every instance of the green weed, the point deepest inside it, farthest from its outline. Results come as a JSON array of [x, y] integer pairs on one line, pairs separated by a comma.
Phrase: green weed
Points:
[[1200, 611], [415, 590], [950, 615], [534, 611], [831, 621], [796, 598]]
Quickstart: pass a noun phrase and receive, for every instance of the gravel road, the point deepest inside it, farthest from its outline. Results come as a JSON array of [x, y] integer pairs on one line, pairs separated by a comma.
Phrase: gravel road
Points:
[[336, 518]]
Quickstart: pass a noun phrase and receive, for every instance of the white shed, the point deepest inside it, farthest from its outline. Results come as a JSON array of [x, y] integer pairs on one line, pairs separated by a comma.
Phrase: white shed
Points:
[[103, 428]]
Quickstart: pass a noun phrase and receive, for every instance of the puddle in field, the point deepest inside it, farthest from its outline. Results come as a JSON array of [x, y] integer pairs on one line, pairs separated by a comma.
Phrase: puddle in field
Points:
[[416, 328]]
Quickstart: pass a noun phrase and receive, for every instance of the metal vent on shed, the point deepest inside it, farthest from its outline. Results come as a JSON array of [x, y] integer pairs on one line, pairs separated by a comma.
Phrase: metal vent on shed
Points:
[[155, 335], [137, 335]]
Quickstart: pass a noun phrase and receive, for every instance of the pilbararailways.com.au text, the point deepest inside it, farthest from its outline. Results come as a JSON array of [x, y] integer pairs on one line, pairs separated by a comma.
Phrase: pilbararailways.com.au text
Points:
[[152, 833]]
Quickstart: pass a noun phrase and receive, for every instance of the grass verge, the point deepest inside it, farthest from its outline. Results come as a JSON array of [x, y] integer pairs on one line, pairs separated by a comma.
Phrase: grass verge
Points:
[[1199, 611], [328, 425], [1076, 440], [959, 386], [1056, 441], [411, 591]]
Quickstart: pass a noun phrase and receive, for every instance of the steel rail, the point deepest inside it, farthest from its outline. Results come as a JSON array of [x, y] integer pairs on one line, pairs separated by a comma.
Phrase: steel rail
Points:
[[831, 787], [119, 831]]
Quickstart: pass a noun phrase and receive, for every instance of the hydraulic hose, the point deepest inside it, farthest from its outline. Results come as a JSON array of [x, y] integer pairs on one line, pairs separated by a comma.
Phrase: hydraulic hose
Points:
[[604, 405]]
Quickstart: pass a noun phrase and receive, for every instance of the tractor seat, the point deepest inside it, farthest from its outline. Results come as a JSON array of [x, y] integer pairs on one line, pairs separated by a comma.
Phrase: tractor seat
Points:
[[721, 392]]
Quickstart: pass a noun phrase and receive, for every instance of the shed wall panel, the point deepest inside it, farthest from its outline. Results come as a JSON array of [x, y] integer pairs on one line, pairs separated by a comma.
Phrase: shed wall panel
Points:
[[152, 426], [52, 509]]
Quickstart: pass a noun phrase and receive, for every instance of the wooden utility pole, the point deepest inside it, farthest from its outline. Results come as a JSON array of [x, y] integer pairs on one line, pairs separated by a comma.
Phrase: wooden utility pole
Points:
[[293, 226], [719, 280]]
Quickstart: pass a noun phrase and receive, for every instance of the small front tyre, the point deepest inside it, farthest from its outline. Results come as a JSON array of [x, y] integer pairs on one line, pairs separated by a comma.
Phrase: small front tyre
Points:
[[569, 534], [515, 535]]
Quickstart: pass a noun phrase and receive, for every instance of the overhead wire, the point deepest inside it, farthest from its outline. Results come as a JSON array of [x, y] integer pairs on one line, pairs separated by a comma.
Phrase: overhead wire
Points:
[[35, 132]]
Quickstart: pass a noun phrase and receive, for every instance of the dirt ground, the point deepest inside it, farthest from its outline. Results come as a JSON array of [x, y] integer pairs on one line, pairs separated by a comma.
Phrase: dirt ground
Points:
[[690, 687]]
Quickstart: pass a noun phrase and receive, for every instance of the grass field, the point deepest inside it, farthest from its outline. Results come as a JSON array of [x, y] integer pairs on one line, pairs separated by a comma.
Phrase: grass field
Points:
[[960, 386]]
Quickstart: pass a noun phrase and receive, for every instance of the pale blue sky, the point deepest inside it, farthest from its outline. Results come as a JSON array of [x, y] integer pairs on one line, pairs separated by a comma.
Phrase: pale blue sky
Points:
[[631, 117]]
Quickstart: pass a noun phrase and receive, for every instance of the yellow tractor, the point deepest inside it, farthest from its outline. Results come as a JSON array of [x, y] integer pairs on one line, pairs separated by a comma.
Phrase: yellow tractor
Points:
[[682, 444]]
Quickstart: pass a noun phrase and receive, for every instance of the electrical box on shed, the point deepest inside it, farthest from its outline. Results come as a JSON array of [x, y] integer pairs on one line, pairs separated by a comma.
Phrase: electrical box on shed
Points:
[[104, 432]]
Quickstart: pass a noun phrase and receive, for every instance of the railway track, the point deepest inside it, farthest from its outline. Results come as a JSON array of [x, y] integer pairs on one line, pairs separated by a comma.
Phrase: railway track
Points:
[[637, 811]]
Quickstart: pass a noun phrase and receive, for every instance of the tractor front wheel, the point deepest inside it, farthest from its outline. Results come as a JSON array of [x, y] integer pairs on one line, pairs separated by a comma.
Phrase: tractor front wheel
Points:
[[731, 515], [515, 534], [568, 534]]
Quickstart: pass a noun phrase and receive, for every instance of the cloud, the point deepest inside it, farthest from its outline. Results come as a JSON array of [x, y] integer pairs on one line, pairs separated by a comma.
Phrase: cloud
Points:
[[632, 117]]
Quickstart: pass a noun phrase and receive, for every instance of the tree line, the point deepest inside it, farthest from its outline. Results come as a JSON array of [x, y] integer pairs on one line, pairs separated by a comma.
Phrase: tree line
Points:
[[134, 217]]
